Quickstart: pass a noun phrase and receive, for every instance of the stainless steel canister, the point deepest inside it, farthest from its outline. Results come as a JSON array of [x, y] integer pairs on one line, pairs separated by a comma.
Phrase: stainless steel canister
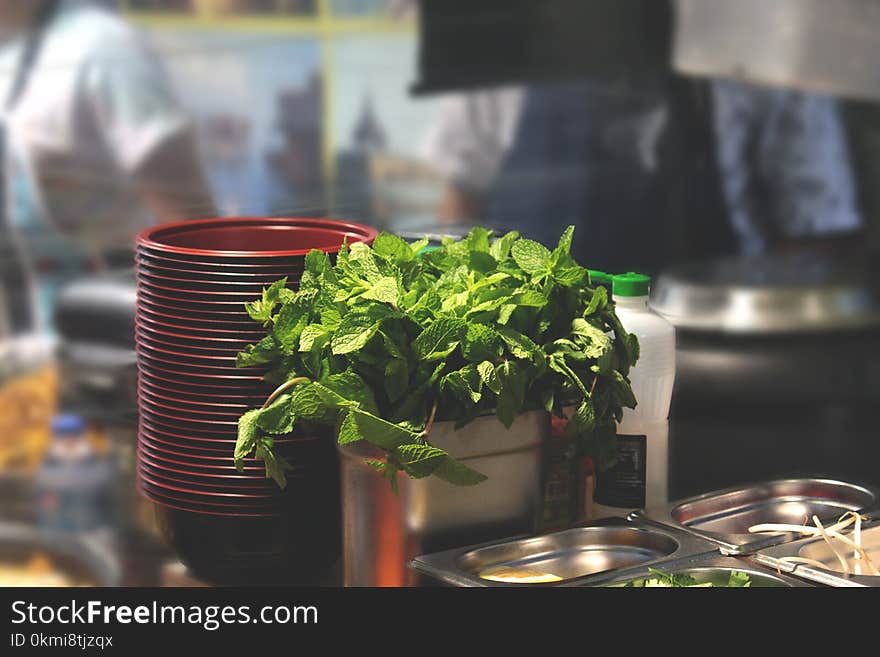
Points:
[[382, 532]]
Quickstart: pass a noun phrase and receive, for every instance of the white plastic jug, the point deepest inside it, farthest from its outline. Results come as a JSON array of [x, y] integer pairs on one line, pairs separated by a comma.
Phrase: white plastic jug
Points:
[[641, 477]]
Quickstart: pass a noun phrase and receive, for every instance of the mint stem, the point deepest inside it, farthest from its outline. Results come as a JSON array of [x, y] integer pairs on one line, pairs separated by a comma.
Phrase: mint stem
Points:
[[283, 387], [430, 423]]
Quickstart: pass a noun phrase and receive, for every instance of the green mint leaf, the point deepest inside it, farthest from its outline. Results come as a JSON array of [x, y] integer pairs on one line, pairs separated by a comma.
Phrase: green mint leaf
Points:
[[247, 436], [739, 579], [393, 349], [384, 290], [458, 384], [531, 256], [510, 399], [359, 425], [317, 262], [277, 418], [557, 363], [396, 379], [564, 246], [569, 276], [595, 341], [354, 332], [583, 420], [478, 240], [393, 248], [330, 319], [276, 467], [622, 390], [519, 345], [529, 298], [486, 371], [598, 302], [500, 248], [361, 256], [481, 342], [313, 336], [376, 464], [457, 473], [419, 460], [417, 246], [482, 262], [504, 312], [307, 403], [261, 310], [264, 351], [438, 340], [346, 390]]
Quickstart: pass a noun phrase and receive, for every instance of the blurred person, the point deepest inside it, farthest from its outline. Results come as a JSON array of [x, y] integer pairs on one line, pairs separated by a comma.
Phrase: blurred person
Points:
[[541, 156], [95, 147]]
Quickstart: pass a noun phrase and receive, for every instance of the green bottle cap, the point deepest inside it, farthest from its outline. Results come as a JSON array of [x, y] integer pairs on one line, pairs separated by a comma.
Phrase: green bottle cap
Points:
[[599, 277], [630, 284]]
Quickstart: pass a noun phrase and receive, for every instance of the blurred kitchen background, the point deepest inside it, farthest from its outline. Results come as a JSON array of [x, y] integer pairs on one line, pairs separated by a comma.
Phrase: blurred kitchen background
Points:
[[731, 150]]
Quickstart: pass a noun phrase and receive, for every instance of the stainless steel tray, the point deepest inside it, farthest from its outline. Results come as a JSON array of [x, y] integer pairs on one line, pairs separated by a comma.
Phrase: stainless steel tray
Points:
[[815, 548], [725, 516], [580, 556], [716, 568]]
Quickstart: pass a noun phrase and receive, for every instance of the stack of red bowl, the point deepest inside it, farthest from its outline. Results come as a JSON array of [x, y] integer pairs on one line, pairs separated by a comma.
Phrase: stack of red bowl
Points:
[[193, 281]]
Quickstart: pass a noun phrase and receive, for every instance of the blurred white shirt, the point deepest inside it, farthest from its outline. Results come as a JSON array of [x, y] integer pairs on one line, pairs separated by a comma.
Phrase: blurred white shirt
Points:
[[97, 103]]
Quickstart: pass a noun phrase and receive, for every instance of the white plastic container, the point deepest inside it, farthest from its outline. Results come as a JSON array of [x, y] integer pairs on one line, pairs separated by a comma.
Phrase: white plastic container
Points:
[[641, 477]]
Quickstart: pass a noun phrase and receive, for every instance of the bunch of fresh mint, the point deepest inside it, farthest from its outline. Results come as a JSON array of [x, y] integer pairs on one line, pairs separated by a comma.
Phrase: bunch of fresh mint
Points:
[[392, 338]]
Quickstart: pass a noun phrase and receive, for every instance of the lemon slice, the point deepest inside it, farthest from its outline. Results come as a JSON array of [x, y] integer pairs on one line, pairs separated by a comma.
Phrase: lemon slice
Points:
[[518, 575]]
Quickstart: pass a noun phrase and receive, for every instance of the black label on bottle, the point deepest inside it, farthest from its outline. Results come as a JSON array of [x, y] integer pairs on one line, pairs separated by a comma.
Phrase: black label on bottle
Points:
[[623, 485]]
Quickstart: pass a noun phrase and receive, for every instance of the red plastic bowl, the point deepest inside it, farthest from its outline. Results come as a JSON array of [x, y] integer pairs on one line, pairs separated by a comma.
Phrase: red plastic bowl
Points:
[[252, 237], [250, 331], [197, 464], [251, 482], [228, 408], [226, 293], [206, 401], [185, 491], [188, 367], [218, 275], [185, 339], [232, 481], [195, 509], [221, 460], [205, 353], [206, 390], [280, 267], [209, 450], [254, 287], [185, 436], [206, 301]]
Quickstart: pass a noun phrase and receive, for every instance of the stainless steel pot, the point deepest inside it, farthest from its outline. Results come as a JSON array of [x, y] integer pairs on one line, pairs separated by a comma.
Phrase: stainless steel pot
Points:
[[383, 532]]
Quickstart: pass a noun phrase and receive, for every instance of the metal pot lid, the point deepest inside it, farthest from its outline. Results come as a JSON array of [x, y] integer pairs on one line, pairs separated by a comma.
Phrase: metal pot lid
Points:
[[790, 293]]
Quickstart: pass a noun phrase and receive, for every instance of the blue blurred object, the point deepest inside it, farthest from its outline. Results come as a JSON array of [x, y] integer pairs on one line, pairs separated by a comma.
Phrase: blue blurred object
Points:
[[68, 426], [74, 484]]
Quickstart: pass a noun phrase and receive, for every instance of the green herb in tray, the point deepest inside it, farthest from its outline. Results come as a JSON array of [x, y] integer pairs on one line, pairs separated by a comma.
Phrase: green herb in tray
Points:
[[737, 579], [391, 338]]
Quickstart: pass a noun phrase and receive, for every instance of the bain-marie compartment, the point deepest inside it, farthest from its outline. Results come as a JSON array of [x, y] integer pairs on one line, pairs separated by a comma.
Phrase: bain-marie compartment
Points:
[[813, 558], [711, 571], [564, 558], [726, 516], [568, 554]]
